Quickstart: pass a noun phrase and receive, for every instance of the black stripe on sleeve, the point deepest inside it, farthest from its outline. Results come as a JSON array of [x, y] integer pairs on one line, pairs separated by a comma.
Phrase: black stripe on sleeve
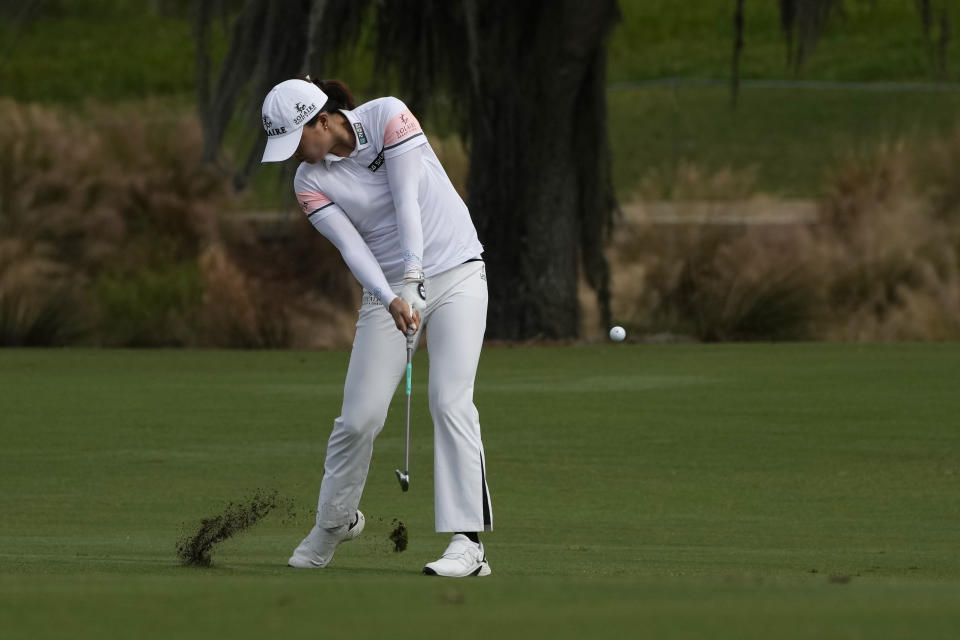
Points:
[[316, 211], [404, 141]]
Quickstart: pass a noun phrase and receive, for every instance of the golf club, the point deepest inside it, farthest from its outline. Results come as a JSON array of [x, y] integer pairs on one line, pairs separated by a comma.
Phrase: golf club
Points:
[[404, 476]]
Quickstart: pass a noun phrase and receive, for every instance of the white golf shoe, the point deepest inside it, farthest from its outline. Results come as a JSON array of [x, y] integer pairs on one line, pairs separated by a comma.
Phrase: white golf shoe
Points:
[[316, 550], [461, 559]]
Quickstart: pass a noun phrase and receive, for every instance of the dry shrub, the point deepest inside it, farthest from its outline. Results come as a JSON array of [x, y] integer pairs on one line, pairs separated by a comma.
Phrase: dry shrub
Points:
[[321, 295], [892, 248], [688, 181], [46, 172], [35, 297], [936, 172], [297, 277], [881, 263], [756, 287], [239, 310], [106, 185], [862, 183], [229, 313], [715, 282], [103, 196], [113, 205]]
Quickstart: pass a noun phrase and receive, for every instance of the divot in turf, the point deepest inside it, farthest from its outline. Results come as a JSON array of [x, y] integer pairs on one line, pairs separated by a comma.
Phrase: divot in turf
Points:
[[399, 536], [197, 549]]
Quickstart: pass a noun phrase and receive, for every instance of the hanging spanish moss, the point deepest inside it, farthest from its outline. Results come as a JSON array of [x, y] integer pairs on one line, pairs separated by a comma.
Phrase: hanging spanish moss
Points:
[[267, 45]]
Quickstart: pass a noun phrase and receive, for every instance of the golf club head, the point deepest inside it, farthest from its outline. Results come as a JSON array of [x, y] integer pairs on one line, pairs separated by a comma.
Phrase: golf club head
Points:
[[404, 479]]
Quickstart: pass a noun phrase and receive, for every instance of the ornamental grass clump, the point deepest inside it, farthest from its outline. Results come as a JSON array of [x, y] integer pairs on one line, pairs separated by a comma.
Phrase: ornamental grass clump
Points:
[[879, 262], [113, 232]]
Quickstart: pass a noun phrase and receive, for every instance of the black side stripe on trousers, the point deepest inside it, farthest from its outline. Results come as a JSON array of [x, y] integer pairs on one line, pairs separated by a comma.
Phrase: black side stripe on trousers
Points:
[[483, 488]]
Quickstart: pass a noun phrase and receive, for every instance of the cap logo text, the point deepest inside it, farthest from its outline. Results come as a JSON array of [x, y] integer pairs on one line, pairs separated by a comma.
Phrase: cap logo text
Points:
[[303, 112]]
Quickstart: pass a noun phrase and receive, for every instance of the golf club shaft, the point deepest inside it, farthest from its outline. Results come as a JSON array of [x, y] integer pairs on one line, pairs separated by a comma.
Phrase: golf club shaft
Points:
[[406, 464]]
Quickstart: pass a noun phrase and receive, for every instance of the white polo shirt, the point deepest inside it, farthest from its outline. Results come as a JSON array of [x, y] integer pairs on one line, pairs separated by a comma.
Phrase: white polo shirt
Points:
[[357, 186]]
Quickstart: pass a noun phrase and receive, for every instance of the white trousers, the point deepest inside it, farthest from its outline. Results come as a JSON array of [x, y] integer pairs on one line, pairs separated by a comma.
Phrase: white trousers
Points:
[[455, 320]]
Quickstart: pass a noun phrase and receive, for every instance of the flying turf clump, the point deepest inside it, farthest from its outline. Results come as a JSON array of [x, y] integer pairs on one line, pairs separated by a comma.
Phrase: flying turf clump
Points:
[[196, 550], [399, 536]]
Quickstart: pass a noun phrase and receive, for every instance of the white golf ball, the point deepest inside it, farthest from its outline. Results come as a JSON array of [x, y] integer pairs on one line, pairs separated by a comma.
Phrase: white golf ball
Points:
[[617, 334]]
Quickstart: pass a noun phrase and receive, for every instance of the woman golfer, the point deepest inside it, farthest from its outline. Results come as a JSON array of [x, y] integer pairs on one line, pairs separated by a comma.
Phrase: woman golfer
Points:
[[369, 181]]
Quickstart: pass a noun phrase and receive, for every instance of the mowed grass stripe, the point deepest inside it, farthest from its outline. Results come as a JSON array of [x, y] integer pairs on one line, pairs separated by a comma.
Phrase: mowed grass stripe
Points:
[[678, 488]]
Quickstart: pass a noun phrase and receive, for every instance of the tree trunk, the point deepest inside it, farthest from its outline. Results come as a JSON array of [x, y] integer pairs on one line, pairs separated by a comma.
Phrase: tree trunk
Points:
[[531, 162], [531, 78]]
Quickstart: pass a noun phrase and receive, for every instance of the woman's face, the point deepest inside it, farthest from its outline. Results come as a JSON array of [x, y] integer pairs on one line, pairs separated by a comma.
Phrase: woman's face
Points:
[[316, 141]]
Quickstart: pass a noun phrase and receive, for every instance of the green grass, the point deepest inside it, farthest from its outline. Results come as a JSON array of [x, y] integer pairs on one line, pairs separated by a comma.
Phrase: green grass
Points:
[[684, 491], [126, 49], [122, 55], [872, 41], [789, 138]]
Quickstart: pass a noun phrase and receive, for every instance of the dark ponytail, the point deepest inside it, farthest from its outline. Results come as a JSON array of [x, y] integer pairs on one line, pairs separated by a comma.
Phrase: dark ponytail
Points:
[[338, 93]]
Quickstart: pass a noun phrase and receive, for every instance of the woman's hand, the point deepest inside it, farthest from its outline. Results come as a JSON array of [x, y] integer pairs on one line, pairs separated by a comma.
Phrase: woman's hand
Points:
[[403, 316]]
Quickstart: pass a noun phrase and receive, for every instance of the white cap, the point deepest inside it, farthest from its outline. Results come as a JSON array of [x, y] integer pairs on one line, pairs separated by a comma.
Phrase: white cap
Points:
[[289, 106]]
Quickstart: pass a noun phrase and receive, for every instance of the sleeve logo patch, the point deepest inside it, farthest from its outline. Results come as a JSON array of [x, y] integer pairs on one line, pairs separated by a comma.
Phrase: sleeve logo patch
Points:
[[361, 136], [312, 201], [401, 127]]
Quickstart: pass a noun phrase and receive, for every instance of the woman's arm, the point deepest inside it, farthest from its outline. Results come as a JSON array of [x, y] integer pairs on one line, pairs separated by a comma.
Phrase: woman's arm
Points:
[[337, 228], [403, 176]]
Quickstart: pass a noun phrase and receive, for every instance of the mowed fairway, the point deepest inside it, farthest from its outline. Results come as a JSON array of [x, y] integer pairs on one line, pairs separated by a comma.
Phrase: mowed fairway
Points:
[[741, 491]]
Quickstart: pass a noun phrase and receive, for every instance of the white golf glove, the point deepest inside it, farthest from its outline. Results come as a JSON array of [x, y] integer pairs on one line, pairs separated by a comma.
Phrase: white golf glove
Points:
[[413, 292]]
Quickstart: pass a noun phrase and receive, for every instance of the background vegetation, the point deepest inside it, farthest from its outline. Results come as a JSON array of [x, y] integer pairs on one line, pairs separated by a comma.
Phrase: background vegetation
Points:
[[121, 50], [102, 240], [113, 235], [879, 262]]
